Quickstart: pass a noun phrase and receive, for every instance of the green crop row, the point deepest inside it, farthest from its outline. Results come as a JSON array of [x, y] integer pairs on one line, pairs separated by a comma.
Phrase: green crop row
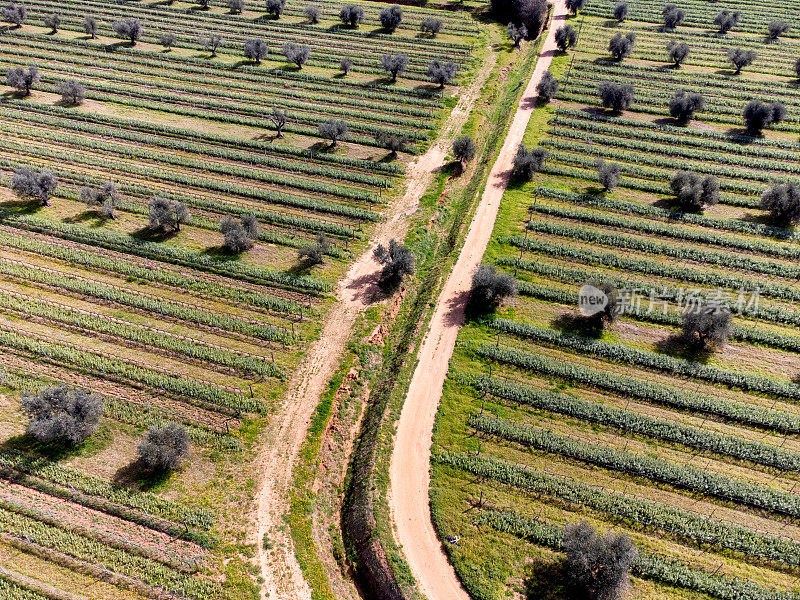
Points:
[[633, 422], [11, 590], [640, 465], [734, 412]]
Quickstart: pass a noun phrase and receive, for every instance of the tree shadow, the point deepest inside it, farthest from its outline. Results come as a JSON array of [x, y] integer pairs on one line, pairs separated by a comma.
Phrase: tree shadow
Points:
[[137, 476], [146, 234], [222, 254], [546, 581], [23, 206], [90, 217], [577, 324], [114, 46], [679, 346], [740, 135], [53, 451]]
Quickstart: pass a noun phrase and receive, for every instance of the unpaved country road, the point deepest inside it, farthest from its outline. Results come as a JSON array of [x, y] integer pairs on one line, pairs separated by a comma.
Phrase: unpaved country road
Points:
[[409, 471], [283, 578]]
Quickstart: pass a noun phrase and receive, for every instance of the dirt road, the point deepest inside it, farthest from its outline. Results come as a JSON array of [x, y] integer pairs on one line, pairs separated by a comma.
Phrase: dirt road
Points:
[[409, 471], [283, 578]]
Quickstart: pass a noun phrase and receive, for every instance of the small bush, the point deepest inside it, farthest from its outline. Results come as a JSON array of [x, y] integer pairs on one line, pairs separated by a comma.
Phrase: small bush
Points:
[[164, 448], [62, 414], [597, 566], [608, 174], [694, 191], [547, 87], [464, 149], [489, 288], [707, 324], [527, 162], [397, 261], [314, 254]]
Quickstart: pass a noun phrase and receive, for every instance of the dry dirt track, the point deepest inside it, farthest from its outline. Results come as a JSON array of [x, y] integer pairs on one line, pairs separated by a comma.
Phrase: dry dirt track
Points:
[[283, 578], [409, 471]]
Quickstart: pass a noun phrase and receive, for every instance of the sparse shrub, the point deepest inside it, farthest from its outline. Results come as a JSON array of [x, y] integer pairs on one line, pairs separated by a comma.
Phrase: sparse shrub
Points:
[[255, 49], [312, 13], [548, 87], [740, 58], [759, 114], [397, 261], [726, 20], [678, 52], [489, 288], [128, 29], [566, 37], [673, 16], [333, 130], [527, 162], [782, 201], [164, 448], [391, 17], [516, 34], [103, 198], [597, 566], [392, 142], [707, 324], [621, 11], [296, 53], [276, 8], [22, 79], [608, 174], [683, 105], [394, 64], [314, 254], [166, 215], [621, 45], [345, 65], [90, 26], [37, 184], [694, 191], [430, 25], [442, 72], [167, 40], [777, 29], [351, 15], [53, 21], [616, 96], [15, 13], [463, 149], [61, 414]]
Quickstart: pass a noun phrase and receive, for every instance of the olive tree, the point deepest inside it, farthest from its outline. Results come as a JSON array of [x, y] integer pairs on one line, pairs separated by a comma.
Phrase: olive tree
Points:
[[72, 92], [797, 67], [166, 215], [90, 26], [164, 448], [22, 79], [741, 58], [239, 237], [296, 53], [391, 17], [527, 162], [53, 21], [547, 87], [608, 174], [782, 202], [683, 105], [621, 45], [442, 72], [236, 6], [463, 149], [489, 288], [351, 15], [392, 142], [128, 29], [394, 64], [516, 34], [726, 20], [35, 184], [673, 16], [397, 260], [104, 198], [276, 8], [616, 96], [255, 49], [167, 40], [759, 114], [211, 43], [60, 414], [15, 13], [610, 312], [279, 118], [314, 254], [430, 26], [312, 13], [707, 324], [345, 65], [333, 130], [621, 11], [678, 52], [777, 29], [597, 566], [566, 37], [575, 5], [694, 191]]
